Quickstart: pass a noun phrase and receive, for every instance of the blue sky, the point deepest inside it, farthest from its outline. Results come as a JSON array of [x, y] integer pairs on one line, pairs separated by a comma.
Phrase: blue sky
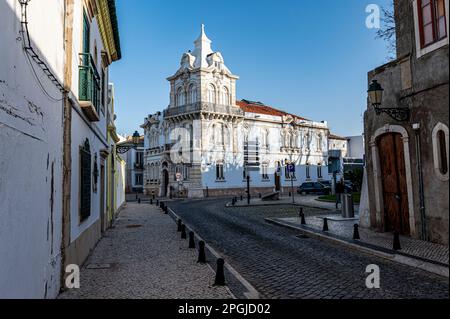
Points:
[[309, 58]]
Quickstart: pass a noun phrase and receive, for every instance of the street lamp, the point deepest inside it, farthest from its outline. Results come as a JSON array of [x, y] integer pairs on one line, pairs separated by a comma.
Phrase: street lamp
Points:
[[125, 147], [376, 99]]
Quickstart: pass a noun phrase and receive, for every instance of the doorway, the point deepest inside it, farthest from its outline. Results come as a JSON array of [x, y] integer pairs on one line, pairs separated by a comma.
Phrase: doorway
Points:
[[393, 182], [165, 183], [102, 198]]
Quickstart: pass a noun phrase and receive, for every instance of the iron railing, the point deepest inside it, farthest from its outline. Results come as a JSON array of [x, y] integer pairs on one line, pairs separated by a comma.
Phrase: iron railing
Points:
[[89, 81]]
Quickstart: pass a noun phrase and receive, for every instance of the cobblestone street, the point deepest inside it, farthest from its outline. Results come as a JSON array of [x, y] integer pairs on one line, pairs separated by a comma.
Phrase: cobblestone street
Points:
[[143, 257], [281, 265]]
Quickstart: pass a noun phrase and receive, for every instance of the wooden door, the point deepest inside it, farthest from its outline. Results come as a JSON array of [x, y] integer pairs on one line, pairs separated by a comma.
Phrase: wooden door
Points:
[[277, 182], [393, 174], [102, 198]]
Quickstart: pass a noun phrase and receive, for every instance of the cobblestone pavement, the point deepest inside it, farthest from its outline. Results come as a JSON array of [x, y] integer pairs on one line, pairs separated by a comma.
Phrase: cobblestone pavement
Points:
[[344, 228], [280, 265], [145, 258]]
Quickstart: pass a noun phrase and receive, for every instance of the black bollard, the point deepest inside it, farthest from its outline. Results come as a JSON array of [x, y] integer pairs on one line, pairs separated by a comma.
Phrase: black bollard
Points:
[[157, 202], [260, 195], [325, 224], [191, 240], [166, 209], [151, 201], [302, 216], [290, 194], [180, 223], [183, 232], [397, 245], [139, 200], [201, 253], [356, 232], [220, 274]]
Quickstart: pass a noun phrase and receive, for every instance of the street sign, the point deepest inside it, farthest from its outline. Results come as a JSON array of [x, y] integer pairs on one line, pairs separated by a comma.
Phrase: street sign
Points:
[[291, 168]]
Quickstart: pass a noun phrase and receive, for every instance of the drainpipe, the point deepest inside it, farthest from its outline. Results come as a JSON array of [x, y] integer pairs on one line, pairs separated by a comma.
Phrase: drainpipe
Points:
[[424, 235]]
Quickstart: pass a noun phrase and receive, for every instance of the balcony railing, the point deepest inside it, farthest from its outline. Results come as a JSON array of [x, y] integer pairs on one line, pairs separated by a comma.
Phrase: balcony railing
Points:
[[89, 87], [203, 107]]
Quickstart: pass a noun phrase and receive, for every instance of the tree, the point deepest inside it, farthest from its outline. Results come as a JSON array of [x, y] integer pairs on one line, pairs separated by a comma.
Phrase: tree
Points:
[[387, 30]]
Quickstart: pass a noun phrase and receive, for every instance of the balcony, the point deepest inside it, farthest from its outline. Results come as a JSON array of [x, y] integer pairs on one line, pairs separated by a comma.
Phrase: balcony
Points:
[[89, 87], [203, 107]]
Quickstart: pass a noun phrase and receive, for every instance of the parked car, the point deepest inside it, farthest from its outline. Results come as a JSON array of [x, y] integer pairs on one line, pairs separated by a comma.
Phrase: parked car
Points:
[[314, 188], [349, 187]]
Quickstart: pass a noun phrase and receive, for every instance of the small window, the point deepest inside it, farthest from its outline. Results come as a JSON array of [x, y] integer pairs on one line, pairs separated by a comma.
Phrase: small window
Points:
[[319, 171], [139, 180], [264, 172], [308, 171], [440, 151], [219, 172]]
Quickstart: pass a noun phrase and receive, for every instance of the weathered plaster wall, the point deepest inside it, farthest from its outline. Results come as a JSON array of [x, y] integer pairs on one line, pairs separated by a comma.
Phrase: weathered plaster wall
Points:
[[30, 154]]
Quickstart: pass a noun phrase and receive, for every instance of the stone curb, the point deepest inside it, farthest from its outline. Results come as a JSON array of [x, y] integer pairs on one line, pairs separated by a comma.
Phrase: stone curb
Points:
[[229, 205], [392, 256], [251, 293]]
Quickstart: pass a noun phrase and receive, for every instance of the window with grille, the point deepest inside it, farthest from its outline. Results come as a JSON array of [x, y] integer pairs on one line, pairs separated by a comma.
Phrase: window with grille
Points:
[[85, 181]]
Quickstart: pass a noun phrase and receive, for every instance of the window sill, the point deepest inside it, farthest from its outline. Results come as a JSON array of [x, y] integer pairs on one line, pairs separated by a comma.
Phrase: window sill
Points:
[[221, 181]]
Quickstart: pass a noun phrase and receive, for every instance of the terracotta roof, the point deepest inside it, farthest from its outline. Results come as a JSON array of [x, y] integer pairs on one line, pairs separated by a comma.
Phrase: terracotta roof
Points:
[[336, 137], [260, 108]]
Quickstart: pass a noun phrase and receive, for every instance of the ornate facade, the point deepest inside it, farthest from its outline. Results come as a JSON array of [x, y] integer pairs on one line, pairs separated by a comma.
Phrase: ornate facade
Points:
[[206, 142]]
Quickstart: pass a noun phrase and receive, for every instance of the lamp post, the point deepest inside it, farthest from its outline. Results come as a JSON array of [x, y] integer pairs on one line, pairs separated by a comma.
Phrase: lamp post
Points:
[[124, 148], [375, 92]]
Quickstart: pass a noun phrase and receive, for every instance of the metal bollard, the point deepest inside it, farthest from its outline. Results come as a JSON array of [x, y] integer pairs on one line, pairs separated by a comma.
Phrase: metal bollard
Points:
[[302, 216], [151, 201], [180, 223], [201, 253], [290, 194], [397, 245], [260, 195], [356, 232], [166, 209], [191, 240], [157, 202], [183, 232], [242, 198], [325, 224], [139, 200], [220, 273]]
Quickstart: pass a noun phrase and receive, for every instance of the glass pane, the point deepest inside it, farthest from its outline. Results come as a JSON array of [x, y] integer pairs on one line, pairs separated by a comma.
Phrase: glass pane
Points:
[[425, 2], [442, 30], [428, 34], [426, 14], [443, 153], [441, 8]]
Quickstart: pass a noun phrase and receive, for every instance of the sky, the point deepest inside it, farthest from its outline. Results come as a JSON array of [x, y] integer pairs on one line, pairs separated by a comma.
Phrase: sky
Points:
[[308, 58]]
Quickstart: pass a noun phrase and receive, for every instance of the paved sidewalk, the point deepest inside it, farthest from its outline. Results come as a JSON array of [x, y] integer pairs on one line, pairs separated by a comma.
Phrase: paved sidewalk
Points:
[[344, 228], [143, 257]]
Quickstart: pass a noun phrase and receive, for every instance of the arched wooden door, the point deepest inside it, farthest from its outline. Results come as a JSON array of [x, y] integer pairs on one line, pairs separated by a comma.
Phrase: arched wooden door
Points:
[[393, 176]]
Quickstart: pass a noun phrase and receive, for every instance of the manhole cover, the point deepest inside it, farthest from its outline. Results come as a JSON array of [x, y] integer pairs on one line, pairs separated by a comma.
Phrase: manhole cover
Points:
[[98, 266]]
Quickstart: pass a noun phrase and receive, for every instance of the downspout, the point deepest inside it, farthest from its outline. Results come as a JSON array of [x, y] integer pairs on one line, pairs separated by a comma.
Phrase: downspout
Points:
[[424, 235], [67, 136]]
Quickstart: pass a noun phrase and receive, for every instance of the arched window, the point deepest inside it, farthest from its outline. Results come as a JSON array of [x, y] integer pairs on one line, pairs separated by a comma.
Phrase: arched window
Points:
[[440, 151], [225, 96], [192, 94], [211, 94], [180, 100]]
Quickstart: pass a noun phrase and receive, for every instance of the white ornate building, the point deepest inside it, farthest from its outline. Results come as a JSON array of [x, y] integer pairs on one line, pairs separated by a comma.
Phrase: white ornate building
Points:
[[206, 142]]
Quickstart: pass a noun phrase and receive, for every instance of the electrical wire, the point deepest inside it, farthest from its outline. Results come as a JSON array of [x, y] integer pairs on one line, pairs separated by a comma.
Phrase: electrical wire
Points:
[[31, 54]]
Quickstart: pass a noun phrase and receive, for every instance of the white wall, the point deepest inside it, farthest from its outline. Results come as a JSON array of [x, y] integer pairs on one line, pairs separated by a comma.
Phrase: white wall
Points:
[[30, 153], [121, 180], [81, 129], [356, 147]]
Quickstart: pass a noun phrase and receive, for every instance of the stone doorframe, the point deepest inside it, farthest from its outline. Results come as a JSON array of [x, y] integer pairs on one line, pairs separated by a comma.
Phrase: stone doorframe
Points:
[[379, 204]]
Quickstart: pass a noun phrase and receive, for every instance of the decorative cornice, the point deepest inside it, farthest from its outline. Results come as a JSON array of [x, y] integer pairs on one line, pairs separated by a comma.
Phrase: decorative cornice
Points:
[[107, 20]]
